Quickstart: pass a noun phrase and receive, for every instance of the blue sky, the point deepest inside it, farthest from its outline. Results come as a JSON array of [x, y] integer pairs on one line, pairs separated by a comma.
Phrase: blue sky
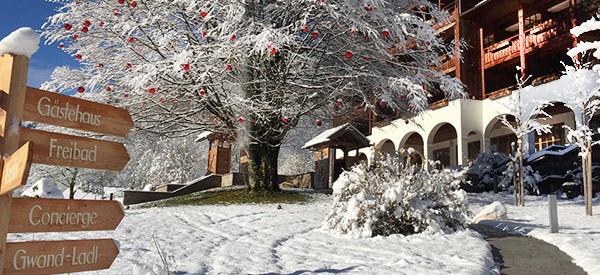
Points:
[[33, 13]]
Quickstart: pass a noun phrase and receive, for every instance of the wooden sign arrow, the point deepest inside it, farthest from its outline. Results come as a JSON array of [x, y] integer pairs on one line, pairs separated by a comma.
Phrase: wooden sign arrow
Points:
[[16, 169], [51, 257], [71, 112], [66, 150], [58, 215]]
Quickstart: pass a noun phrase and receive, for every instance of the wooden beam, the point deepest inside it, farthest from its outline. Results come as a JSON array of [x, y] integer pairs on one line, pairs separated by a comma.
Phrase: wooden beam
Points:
[[13, 82], [482, 63], [522, 41]]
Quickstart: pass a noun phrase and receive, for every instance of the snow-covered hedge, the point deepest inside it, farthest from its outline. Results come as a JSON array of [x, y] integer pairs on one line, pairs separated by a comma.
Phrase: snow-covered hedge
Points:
[[394, 198]]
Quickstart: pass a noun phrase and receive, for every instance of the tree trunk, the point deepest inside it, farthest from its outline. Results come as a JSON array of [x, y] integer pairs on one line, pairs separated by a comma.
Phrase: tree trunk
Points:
[[72, 184], [262, 166], [586, 170], [521, 176]]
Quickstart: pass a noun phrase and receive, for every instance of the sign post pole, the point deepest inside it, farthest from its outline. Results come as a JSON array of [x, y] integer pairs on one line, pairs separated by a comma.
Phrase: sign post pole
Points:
[[13, 83]]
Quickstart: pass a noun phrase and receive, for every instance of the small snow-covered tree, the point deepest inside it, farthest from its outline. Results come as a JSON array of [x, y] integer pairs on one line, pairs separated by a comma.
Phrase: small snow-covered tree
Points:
[[584, 98], [487, 168], [524, 116], [530, 178], [250, 69], [395, 198]]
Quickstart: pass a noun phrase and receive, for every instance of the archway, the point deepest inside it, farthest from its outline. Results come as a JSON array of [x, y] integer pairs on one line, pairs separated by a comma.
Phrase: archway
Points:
[[443, 144], [500, 136], [386, 147]]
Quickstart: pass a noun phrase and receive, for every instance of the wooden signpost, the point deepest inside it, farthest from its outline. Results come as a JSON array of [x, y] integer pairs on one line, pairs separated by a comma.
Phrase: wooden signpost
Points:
[[58, 215], [51, 257], [71, 112], [16, 169], [25, 215], [74, 151]]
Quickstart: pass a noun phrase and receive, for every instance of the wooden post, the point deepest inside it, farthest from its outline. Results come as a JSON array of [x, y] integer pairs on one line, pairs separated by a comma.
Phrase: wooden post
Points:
[[522, 42], [13, 83], [482, 63]]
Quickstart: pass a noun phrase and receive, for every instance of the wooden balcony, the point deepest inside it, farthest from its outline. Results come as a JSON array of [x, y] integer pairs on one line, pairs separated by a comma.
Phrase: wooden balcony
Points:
[[535, 38], [448, 64]]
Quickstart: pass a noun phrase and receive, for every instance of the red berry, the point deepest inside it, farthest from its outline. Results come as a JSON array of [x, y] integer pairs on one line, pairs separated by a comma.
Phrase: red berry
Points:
[[201, 92], [386, 33], [161, 99], [61, 45], [87, 23], [204, 33], [228, 67], [100, 65], [348, 54], [196, 23], [241, 120], [318, 122], [84, 29], [133, 4], [152, 90], [383, 103], [285, 120], [427, 43], [126, 95], [68, 26], [365, 58], [108, 89], [422, 7], [203, 13], [315, 34], [78, 56], [338, 102], [116, 14], [81, 89], [273, 51], [75, 37], [186, 67], [406, 121], [353, 30], [368, 8], [128, 66], [121, 1], [232, 37], [131, 39], [305, 29], [101, 24]]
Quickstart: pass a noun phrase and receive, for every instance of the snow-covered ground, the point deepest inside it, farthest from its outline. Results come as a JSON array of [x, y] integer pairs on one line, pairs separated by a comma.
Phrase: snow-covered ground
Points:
[[242, 239], [579, 235], [261, 239]]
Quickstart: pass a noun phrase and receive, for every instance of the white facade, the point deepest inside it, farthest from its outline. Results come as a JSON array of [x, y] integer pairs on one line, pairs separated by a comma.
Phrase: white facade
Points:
[[472, 120]]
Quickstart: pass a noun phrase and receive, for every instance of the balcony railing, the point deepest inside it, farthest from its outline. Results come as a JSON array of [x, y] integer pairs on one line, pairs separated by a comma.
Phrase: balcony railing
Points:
[[536, 37], [447, 64]]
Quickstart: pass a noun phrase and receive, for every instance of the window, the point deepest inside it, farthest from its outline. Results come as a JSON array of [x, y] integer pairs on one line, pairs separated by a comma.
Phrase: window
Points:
[[532, 20], [488, 40], [556, 136]]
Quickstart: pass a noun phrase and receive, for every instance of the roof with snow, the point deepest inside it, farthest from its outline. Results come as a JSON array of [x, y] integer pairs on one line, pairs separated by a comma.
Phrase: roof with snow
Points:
[[202, 136], [344, 136]]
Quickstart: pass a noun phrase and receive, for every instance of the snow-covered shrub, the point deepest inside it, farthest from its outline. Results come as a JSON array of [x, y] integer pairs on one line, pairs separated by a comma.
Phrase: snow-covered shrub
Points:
[[393, 198], [486, 170], [531, 178]]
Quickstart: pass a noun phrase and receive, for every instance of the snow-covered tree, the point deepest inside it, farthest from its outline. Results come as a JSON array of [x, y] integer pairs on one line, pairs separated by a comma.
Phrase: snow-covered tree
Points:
[[250, 69], [524, 116], [584, 98], [487, 168], [396, 198]]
